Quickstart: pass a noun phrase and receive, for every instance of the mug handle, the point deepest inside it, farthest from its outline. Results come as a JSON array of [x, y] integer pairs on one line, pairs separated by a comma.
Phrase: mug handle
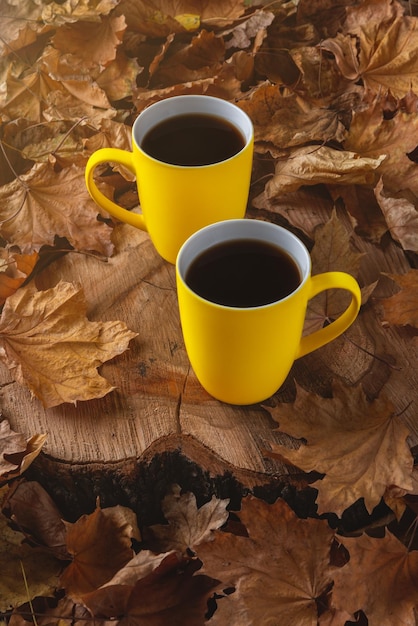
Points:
[[322, 282], [112, 155]]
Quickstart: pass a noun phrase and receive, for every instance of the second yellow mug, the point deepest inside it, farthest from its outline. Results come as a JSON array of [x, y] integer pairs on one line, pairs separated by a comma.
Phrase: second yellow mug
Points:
[[180, 195], [243, 287]]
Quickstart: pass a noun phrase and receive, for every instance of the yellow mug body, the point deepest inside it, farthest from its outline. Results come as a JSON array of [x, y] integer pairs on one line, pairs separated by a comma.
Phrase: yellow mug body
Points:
[[176, 201], [243, 355]]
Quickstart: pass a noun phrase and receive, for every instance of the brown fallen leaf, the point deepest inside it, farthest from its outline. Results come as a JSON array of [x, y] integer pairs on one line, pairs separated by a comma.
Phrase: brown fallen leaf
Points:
[[379, 44], [188, 526], [119, 79], [58, 13], [33, 511], [278, 571], [200, 59], [30, 94], [50, 346], [363, 208], [16, 453], [380, 579], [172, 593], [41, 570], [282, 122], [254, 28], [20, 24], [401, 217], [312, 165], [47, 609], [95, 43], [37, 206], [10, 444], [360, 446], [100, 544], [332, 251], [373, 132], [159, 18], [14, 270], [402, 308]]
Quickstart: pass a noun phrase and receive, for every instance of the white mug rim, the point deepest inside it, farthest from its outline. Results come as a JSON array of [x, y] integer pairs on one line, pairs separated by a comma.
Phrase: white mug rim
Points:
[[245, 228], [174, 106]]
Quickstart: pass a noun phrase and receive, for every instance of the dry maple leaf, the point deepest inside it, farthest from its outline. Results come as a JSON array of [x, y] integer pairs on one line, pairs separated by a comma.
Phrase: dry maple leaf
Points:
[[159, 18], [41, 570], [366, 214], [119, 79], [171, 593], [94, 43], [372, 134], [312, 165], [402, 308], [380, 579], [332, 251], [401, 217], [58, 13], [31, 508], [16, 453], [50, 345], [32, 93], [188, 526], [278, 570], [20, 23], [200, 59], [360, 446], [282, 122], [100, 545], [43, 203], [380, 45]]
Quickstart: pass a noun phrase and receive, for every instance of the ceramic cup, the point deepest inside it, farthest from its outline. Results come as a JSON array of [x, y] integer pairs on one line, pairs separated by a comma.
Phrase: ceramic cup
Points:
[[242, 348], [177, 199]]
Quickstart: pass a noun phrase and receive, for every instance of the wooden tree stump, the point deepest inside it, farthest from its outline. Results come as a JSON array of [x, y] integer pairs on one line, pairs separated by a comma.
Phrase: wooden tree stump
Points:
[[159, 426]]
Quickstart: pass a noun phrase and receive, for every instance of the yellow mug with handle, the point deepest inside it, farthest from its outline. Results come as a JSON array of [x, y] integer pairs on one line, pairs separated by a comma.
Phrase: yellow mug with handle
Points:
[[243, 288], [183, 183]]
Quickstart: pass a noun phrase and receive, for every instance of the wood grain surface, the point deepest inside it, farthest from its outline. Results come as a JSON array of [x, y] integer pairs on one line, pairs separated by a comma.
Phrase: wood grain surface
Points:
[[158, 405]]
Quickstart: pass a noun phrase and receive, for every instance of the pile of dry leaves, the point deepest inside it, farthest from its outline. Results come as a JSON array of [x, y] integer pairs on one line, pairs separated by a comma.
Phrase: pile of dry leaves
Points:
[[331, 88]]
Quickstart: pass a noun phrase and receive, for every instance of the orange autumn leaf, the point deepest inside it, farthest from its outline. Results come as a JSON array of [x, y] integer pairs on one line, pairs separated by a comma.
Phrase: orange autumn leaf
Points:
[[278, 570], [50, 346], [360, 446], [14, 270], [402, 308]]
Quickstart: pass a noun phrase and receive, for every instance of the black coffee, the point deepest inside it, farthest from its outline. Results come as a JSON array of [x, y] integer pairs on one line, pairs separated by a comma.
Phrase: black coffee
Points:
[[243, 273], [193, 139]]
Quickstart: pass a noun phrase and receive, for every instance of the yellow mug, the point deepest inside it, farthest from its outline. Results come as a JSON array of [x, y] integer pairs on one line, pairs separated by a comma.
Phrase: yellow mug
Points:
[[243, 288], [178, 199]]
